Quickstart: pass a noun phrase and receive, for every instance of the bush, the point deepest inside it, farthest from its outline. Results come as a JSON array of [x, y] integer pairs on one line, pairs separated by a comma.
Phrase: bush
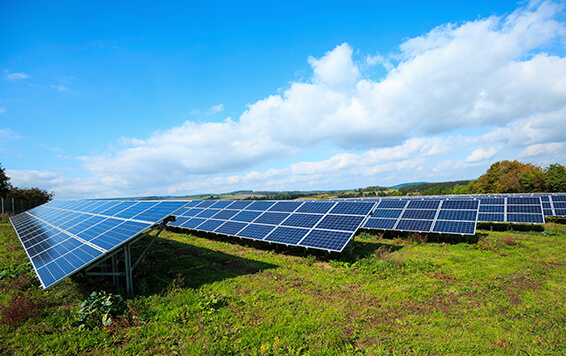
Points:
[[21, 307], [99, 308]]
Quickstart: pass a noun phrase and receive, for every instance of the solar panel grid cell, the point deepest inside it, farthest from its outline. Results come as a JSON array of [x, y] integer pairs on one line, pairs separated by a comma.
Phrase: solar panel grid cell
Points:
[[231, 228], [414, 225], [287, 235], [315, 207], [271, 218], [207, 213], [256, 232], [328, 240]]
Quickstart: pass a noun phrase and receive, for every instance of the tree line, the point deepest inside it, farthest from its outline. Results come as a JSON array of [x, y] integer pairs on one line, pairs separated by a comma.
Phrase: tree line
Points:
[[501, 177], [7, 191]]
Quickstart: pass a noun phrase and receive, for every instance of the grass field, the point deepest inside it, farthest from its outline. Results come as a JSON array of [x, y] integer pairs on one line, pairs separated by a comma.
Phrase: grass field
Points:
[[505, 294]]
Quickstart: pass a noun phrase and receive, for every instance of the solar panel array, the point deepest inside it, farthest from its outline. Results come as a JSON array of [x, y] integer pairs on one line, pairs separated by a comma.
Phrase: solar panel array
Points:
[[312, 224], [553, 204], [64, 236], [511, 209], [425, 216]]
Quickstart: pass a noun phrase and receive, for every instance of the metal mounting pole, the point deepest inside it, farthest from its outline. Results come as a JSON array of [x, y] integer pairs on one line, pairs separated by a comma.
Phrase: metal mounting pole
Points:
[[114, 262], [148, 246], [128, 262]]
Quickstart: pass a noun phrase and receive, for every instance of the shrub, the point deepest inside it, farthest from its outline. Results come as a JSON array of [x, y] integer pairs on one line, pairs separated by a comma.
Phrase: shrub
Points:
[[99, 308], [21, 307]]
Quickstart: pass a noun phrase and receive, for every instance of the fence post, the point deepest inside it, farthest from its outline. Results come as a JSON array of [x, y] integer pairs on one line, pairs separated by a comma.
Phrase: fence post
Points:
[[13, 207], [2, 206]]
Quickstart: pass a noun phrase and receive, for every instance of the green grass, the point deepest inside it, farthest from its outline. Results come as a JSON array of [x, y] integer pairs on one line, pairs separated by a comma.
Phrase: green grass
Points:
[[505, 294]]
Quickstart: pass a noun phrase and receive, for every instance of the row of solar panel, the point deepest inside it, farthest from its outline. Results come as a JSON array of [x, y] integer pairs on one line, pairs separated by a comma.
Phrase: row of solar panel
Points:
[[149, 211], [429, 215], [311, 224], [63, 237]]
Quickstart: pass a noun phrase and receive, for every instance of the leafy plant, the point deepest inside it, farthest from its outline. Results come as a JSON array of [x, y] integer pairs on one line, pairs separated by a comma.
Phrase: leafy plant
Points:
[[98, 308], [15, 271]]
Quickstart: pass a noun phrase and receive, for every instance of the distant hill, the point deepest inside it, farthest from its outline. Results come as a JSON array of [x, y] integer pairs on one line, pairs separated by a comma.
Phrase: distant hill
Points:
[[440, 188], [406, 184]]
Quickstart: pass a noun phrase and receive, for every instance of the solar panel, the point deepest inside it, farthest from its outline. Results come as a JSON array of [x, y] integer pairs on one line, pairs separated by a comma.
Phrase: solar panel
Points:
[[63, 237]]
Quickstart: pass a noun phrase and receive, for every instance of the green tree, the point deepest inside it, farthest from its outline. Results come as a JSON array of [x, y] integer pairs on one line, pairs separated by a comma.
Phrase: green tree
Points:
[[5, 185], [36, 195], [555, 178]]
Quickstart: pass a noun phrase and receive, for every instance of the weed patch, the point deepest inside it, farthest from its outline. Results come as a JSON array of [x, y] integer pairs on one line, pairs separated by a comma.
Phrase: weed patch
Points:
[[21, 307]]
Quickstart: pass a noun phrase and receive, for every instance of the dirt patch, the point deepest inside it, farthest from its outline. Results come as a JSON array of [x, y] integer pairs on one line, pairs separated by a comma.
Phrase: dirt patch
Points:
[[442, 276]]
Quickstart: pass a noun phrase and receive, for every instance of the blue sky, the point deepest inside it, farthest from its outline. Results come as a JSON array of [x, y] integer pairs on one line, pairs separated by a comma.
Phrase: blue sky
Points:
[[112, 99]]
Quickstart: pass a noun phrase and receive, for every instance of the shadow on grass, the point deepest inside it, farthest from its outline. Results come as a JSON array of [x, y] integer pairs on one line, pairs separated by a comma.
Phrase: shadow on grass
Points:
[[172, 264]]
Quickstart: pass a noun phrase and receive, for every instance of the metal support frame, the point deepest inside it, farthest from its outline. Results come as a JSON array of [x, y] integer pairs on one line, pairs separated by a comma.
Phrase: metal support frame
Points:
[[127, 254]]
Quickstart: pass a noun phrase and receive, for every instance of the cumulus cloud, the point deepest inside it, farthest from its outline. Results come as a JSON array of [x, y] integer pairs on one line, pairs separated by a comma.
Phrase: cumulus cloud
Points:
[[480, 154], [493, 75]]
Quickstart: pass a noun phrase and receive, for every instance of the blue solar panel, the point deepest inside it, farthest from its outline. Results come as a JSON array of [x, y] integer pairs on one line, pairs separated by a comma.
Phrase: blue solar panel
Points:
[[315, 207], [340, 222], [532, 209], [423, 204], [352, 208], [559, 205], [222, 204], [327, 240], [303, 220], [179, 220], [523, 200], [460, 204], [492, 208], [193, 212], [271, 218], [558, 197], [458, 215], [287, 235], [455, 227], [225, 214], [387, 213], [117, 208], [392, 204], [60, 241], [491, 217], [246, 216], [206, 203], [240, 204], [231, 228], [257, 232], [192, 223], [490, 201], [380, 224], [526, 218], [414, 225], [210, 225], [259, 205], [134, 210], [285, 206], [207, 213], [560, 212], [419, 214], [159, 211]]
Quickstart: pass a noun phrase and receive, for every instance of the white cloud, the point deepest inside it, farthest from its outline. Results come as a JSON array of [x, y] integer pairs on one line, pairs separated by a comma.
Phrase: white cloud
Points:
[[60, 87], [216, 109], [481, 154], [15, 76], [2, 110]]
